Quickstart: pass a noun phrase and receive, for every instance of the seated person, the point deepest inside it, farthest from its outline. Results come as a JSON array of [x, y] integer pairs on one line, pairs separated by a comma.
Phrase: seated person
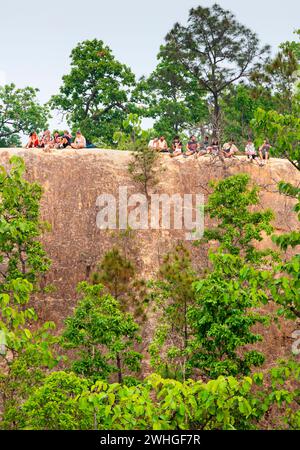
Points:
[[250, 150], [205, 147], [65, 141], [153, 144], [45, 139], [33, 141], [214, 148], [192, 146], [229, 149], [161, 145], [56, 141], [176, 147], [79, 141], [264, 150]]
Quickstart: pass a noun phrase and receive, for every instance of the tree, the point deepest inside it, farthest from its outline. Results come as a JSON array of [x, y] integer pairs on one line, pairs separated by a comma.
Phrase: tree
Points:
[[173, 98], [133, 136], [174, 294], [214, 49], [239, 105], [285, 280], [118, 275], [21, 253], [280, 75], [27, 353], [142, 168], [283, 130], [238, 226], [27, 350], [221, 319], [227, 403], [55, 405], [20, 112], [103, 335], [95, 94]]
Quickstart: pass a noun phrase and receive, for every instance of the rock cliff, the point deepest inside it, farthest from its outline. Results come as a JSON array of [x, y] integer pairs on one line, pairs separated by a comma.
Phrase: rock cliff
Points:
[[72, 181]]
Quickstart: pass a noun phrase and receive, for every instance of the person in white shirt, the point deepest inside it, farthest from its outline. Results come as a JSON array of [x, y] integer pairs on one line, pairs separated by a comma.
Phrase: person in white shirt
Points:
[[79, 141], [250, 150], [229, 149], [153, 144]]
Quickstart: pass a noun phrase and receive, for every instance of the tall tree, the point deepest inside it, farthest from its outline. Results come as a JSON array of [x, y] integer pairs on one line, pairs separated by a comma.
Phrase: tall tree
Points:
[[94, 96], [215, 49], [103, 336], [173, 98], [280, 75], [20, 112]]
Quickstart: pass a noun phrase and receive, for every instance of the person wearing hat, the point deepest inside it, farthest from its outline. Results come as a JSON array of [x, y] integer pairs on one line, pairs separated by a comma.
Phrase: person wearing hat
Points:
[[79, 141]]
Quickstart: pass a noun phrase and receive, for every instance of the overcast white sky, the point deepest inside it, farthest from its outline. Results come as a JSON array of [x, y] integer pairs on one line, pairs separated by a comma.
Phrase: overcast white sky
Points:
[[37, 36]]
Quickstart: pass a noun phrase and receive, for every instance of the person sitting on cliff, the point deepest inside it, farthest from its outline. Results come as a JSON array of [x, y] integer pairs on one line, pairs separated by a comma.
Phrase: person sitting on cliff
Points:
[[205, 147], [79, 141], [214, 148], [250, 150], [66, 140], [229, 149], [45, 139], [161, 145], [33, 141], [192, 146], [176, 147], [264, 150], [153, 144]]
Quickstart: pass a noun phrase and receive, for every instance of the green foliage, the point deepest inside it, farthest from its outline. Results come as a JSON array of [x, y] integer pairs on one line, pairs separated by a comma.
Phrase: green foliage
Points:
[[95, 94], [21, 253], [68, 402], [103, 335], [118, 275], [173, 98], [55, 405], [238, 108], [215, 49], [221, 319], [20, 112], [174, 295], [238, 226], [133, 136], [285, 282], [142, 168], [283, 130], [27, 348]]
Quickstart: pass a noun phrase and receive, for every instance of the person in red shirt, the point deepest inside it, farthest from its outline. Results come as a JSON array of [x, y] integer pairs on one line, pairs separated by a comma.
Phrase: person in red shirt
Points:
[[33, 141]]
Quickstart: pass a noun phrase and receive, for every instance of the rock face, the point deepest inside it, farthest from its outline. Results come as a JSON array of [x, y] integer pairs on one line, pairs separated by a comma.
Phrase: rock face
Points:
[[72, 181]]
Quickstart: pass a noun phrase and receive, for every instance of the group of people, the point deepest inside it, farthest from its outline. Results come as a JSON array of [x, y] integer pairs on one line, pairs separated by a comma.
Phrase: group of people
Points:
[[193, 147], [56, 141]]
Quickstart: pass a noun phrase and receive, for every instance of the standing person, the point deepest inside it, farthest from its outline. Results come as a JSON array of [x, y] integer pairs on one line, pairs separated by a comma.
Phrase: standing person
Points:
[[229, 149], [33, 141], [264, 150], [250, 150], [162, 145], [153, 144], [176, 147], [79, 141], [192, 146]]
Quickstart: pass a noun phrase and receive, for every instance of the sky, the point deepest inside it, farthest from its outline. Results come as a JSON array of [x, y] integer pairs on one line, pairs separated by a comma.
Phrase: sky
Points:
[[37, 36]]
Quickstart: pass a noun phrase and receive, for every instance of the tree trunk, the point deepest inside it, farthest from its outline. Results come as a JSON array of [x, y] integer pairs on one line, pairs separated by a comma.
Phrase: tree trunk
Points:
[[216, 117], [120, 378]]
